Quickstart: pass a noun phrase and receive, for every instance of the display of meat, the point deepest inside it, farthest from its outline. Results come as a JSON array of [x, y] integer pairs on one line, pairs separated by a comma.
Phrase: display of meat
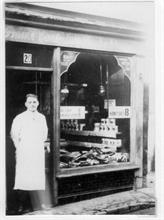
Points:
[[94, 156]]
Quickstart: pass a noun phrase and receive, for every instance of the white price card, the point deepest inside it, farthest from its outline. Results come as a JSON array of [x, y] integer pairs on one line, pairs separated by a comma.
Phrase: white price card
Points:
[[72, 112], [112, 142], [119, 112]]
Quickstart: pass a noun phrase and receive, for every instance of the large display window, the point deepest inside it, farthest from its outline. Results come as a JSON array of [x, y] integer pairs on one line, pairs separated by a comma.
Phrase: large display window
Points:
[[95, 109]]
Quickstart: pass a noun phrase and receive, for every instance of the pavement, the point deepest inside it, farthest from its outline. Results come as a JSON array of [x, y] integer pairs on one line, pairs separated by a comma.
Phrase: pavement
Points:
[[118, 203], [149, 211]]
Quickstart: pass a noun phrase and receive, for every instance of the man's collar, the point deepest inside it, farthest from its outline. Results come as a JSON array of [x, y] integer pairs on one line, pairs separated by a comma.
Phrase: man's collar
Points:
[[30, 112]]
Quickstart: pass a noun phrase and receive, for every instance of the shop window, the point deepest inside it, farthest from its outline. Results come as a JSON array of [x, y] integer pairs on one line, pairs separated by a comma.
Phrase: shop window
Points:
[[94, 109]]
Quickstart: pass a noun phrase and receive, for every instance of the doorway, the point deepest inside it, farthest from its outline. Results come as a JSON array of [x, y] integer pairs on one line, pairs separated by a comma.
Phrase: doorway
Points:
[[18, 84]]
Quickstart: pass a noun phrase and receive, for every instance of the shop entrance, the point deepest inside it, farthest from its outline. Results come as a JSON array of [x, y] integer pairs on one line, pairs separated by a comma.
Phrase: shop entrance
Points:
[[18, 84]]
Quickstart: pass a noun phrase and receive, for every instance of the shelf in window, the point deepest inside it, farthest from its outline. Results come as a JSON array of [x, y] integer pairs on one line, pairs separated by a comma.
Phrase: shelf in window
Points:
[[78, 171], [85, 144], [63, 143], [89, 133]]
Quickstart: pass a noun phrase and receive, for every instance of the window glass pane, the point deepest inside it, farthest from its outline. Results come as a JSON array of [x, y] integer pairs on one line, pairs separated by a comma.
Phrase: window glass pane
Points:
[[95, 109]]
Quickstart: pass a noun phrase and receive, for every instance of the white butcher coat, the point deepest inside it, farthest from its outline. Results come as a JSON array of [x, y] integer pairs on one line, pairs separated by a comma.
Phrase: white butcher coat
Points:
[[28, 132]]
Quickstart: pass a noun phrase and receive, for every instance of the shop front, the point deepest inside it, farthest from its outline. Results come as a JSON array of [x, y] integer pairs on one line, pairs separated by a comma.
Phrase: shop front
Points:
[[87, 72]]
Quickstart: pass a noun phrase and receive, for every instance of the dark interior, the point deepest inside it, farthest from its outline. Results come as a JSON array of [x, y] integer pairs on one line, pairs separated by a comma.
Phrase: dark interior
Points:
[[18, 84]]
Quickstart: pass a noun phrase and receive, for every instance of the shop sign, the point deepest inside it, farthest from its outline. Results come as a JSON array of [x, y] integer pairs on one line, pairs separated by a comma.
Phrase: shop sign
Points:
[[72, 112], [119, 112]]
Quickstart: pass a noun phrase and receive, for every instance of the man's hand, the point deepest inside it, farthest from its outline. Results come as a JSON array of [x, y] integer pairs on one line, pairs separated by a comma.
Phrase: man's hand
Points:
[[47, 146]]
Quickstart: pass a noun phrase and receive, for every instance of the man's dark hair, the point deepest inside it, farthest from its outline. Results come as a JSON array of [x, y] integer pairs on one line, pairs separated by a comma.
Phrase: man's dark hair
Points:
[[31, 95]]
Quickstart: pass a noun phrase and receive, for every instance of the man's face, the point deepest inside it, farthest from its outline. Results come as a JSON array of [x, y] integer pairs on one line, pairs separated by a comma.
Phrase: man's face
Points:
[[32, 104]]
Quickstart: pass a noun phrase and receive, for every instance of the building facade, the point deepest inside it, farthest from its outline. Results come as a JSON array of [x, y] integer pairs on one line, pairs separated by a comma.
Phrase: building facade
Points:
[[88, 74]]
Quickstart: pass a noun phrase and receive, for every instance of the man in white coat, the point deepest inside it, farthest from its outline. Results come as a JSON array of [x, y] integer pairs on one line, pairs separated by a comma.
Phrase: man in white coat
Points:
[[29, 132]]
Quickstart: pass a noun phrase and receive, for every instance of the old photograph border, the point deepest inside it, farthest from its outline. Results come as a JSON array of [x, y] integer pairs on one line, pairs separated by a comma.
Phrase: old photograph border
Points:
[[159, 119]]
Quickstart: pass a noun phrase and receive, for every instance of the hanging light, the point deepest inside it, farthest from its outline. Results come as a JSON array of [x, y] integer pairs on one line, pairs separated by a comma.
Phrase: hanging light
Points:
[[101, 87], [65, 90], [101, 90]]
